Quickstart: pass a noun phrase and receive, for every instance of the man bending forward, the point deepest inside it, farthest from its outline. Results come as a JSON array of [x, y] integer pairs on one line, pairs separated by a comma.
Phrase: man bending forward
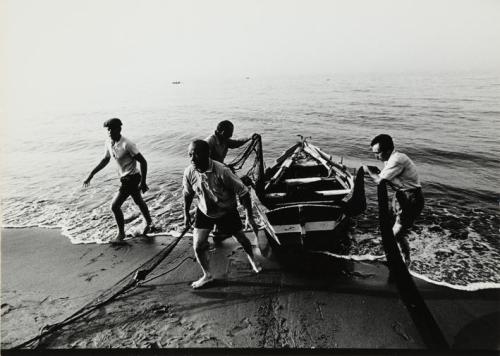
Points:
[[216, 188]]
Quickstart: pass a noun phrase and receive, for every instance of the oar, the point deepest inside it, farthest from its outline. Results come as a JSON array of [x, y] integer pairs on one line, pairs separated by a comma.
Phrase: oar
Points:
[[260, 247]]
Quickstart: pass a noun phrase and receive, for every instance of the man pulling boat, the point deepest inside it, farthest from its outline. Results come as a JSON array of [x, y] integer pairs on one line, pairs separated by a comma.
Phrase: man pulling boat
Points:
[[221, 141], [216, 187], [401, 173]]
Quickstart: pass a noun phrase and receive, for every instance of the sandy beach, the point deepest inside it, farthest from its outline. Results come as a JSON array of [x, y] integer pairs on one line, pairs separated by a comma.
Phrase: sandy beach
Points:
[[321, 303]]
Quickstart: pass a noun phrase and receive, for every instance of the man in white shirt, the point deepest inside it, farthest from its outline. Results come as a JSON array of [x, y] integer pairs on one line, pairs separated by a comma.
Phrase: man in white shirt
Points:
[[216, 188], [401, 173], [133, 181]]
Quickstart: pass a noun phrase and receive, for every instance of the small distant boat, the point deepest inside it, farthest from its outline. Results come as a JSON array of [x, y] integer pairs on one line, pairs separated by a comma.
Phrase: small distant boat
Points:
[[305, 199], [177, 82]]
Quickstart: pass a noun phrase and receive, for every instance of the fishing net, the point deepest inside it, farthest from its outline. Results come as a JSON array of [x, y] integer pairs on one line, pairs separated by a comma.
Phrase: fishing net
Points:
[[126, 284], [248, 163]]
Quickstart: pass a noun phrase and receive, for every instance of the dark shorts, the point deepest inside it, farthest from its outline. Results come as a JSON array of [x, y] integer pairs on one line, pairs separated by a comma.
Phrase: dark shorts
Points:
[[229, 223], [407, 206], [130, 183]]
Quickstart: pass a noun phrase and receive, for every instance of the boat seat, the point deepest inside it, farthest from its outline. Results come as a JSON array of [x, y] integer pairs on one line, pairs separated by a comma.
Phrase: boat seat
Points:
[[320, 192], [333, 192], [306, 163], [297, 181]]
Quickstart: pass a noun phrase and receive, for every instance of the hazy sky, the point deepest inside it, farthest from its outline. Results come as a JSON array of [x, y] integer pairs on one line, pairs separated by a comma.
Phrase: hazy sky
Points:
[[88, 43]]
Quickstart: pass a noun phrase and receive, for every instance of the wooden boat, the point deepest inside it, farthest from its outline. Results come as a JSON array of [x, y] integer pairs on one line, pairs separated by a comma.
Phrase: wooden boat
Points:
[[305, 199]]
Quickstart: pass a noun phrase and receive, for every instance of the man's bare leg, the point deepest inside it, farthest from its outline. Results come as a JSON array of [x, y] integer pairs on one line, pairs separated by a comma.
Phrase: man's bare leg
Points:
[[116, 208], [139, 201], [200, 246], [400, 234], [247, 246]]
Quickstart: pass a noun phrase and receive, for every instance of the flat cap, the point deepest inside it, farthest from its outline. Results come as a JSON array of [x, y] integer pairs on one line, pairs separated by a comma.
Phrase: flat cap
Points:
[[114, 122]]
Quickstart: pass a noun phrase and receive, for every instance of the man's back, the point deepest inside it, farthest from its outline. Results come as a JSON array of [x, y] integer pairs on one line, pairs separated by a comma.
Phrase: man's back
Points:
[[218, 148], [400, 170]]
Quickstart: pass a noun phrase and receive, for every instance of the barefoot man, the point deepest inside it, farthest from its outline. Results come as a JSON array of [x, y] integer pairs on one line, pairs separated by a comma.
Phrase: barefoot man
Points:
[[401, 172], [126, 155], [216, 188]]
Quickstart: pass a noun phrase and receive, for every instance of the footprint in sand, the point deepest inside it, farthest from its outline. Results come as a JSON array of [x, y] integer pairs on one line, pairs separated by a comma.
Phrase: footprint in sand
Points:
[[88, 276], [244, 324], [6, 308]]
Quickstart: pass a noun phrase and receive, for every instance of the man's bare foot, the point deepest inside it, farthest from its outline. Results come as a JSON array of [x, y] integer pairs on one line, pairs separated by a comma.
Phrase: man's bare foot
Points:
[[202, 281], [148, 227], [117, 239]]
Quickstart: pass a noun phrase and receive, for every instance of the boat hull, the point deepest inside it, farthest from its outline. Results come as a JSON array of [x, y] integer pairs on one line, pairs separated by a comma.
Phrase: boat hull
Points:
[[309, 227], [305, 202]]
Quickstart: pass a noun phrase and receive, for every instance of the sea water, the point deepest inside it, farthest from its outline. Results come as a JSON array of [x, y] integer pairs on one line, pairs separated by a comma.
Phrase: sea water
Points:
[[447, 123]]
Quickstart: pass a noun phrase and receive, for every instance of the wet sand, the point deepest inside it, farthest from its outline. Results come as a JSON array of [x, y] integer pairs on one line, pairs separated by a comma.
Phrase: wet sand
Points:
[[318, 302]]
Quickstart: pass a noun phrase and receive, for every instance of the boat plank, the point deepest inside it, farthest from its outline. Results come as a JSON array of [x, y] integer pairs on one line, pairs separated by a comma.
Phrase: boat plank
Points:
[[319, 192], [308, 227], [323, 161]]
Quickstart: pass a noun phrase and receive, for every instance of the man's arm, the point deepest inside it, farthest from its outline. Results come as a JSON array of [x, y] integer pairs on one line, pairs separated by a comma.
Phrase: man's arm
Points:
[[144, 171], [188, 199], [373, 174], [238, 142], [97, 168]]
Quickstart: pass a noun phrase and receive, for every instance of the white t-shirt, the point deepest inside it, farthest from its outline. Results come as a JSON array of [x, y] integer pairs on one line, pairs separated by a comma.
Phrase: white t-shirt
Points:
[[216, 188], [400, 170], [123, 152]]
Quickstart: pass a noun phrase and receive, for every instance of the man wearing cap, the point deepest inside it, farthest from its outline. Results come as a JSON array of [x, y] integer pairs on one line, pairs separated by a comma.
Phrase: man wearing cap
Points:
[[221, 141], [401, 173], [133, 181], [216, 187]]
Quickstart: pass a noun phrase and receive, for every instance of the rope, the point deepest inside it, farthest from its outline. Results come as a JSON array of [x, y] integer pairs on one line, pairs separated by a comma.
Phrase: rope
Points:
[[166, 272], [132, 279]]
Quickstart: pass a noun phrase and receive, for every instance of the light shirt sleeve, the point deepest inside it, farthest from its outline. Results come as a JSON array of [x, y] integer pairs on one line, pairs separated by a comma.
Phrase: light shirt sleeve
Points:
[[393, 168], [233, 183], [131, 148], [187, 188]]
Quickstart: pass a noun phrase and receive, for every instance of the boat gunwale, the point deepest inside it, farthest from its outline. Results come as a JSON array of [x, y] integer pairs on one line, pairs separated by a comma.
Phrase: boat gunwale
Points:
[[308, 205]]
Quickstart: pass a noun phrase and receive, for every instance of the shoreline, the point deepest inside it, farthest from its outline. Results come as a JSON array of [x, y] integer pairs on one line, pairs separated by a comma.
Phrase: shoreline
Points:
[[331, 305], [470, 287]]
